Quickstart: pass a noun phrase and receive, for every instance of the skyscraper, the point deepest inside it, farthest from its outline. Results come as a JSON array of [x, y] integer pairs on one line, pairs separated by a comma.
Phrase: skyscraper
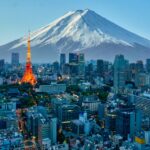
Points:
[[125, 123], [2, 63], [15, 59], [133, 71], [81, 64], [81, 58], [55, 67], [148, 65], [120, 72], [73, 64], [100, 67], [28, 76], [139, 66], [62, 61], [73, 58], [53, 130], [128, 122]]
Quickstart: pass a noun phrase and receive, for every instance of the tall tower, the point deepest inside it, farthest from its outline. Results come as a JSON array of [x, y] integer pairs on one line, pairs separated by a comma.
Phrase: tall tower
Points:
[[28, 76]]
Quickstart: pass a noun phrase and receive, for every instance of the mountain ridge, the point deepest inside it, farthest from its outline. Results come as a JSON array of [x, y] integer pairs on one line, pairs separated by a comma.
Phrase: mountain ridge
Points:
[[79, 31]]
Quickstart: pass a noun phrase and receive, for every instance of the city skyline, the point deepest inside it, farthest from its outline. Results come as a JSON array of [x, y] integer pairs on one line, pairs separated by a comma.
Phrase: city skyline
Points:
[[17, 16]]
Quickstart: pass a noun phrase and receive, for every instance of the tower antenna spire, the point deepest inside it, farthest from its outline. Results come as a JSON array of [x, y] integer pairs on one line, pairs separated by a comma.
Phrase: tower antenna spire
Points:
[[29, 32]]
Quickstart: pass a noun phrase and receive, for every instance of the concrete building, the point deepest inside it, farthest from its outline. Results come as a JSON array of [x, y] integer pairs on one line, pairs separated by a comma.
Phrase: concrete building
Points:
[[67, 113], [91, 103], [60, 147], [77, 127], [142, 79], [53, 88], [142, 103], [8, 106], [46, 144]]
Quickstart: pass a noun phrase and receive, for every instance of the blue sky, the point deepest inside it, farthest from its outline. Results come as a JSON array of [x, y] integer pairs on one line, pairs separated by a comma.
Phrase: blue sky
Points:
[[18, 16]]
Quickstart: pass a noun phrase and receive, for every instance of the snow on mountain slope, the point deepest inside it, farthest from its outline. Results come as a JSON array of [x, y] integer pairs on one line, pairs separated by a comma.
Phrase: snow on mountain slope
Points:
[[81, 30]]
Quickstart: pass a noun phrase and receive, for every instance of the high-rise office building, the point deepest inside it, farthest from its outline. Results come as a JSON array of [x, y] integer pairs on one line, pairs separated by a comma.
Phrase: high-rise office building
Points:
[[73, 58], [15, 59], [62, 61], [132, 71], [73, 64], [148, 65], [43, 130], [67, 113], [125, 123], [76, 64], [110, 121], [120, 72], [142, 79], [128, 122], [81, 58], [73, 69], [139, 66], [66, 69], [2, 64], [90, 69], [55, 67], [81, 64], [100, 67], [53, 130]]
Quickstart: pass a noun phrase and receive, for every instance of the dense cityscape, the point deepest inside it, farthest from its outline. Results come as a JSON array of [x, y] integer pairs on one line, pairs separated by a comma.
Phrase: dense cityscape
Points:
[[74, 104]]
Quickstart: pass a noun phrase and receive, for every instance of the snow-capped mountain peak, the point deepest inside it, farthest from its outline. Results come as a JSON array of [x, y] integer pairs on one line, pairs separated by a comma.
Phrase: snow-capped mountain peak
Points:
[[81, 30], [78, 25]]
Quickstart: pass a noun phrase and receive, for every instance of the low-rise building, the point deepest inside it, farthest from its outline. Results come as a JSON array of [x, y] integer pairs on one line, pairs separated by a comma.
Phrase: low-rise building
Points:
[[53, 88]]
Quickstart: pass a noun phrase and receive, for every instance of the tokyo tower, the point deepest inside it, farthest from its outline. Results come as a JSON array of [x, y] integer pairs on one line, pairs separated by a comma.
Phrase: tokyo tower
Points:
[[28, 76]]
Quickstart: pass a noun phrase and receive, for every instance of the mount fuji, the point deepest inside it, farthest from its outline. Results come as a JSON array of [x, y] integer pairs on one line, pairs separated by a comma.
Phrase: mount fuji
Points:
[[80, 31]]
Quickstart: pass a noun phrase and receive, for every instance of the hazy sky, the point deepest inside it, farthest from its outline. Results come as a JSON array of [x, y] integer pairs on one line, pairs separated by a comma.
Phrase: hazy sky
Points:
[[18, 16]]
